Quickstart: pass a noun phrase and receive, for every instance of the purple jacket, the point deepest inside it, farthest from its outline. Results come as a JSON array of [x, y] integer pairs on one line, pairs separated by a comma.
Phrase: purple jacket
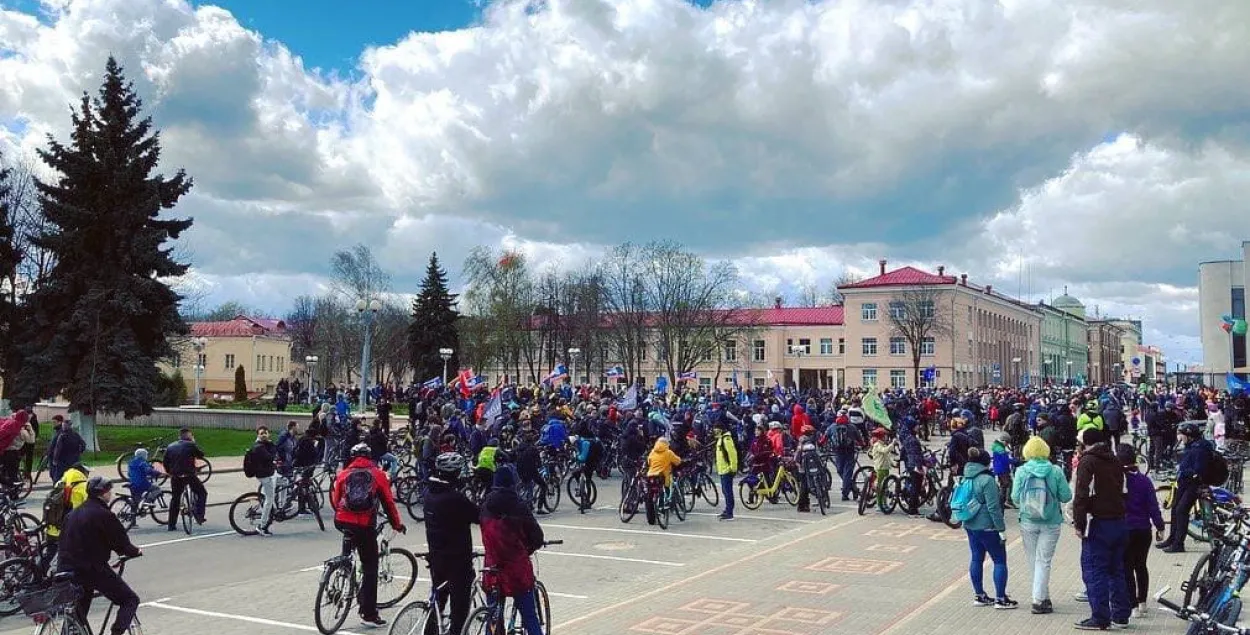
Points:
[[1141, 507]]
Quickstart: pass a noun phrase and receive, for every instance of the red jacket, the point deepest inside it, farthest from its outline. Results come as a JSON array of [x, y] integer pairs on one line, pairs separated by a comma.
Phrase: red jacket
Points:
[[509, 535], [798, 419], [364, 519]]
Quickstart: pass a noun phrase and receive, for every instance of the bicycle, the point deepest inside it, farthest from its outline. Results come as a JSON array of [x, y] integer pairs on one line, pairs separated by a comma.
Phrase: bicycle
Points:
[[52, 603], [886, 500], [413, 617], [203, 467], [340, 580], [247, 510], [696, 484], [582, 489], [755, 488], [489, 619], [1222, 620], [154, 504], [1202, 518]]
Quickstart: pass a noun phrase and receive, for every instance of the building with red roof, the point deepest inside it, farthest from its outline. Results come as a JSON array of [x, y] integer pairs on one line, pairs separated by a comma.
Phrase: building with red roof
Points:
[[261, 346]]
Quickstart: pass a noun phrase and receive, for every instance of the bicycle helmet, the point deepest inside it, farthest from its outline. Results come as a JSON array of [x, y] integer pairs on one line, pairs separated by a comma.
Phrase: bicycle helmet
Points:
[[362, 449], [449, 463], [1190, 430], [98, 485]]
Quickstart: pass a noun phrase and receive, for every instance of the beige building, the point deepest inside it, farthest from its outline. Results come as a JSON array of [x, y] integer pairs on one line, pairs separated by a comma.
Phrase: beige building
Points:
[[990, 338], [261, 346], [1105, 361]]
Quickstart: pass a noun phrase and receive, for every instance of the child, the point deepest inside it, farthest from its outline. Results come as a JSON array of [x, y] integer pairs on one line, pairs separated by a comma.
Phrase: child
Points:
[[1001, 460], [761, 454], [140, 473], [880, 455], [1141, 510]]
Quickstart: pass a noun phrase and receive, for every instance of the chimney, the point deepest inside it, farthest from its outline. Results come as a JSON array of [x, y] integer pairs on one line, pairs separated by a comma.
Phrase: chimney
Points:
[[941, 270], [963, 279], [989, 289], [882, 263], [777, 302]]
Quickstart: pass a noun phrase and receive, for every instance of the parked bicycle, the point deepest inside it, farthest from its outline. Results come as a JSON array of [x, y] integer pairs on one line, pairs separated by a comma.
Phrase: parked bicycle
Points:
[[489, 619], [203, 467]]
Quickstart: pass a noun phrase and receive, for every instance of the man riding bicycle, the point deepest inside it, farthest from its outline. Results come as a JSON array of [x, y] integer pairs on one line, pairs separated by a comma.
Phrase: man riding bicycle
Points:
[[92, 533], [180, 459], [355, 497]]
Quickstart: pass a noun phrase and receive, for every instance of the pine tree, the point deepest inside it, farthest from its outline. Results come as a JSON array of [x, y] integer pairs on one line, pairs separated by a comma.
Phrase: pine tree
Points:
[[8, 264], [105, 317], [433, 324], [240, 384]]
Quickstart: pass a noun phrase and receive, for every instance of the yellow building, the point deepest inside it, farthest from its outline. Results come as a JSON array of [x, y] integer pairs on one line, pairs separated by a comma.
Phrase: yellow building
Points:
[[260, 345]]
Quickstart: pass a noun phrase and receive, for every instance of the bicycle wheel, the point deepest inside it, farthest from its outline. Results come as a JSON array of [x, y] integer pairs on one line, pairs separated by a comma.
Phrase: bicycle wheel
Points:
[[62, 624], [1164, 494], [15, 574], [590, 491], [870, 491], [543, 604], [821, 494], [1200, 521], [411, 619], [861, 478], [551, 494], [749, 497], [790, 489], [159, 510], [887, 500], [662, 508], [675, 501], [1201, 579], [245, 513], [710, 490], [628, 507], [203, 470], [482, 621], [336, 592], [187, 511], [123, 511], [396, 576], [312, 502], [123, 466]]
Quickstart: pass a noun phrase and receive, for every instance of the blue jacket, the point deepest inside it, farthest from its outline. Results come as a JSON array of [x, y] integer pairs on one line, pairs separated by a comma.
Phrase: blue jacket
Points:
[[1141, 504], [990, 518], [140, 474], [1194, 460], [555, 434]]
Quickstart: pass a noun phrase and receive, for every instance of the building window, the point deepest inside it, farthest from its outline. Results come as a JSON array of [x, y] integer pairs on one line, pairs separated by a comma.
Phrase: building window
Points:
[[927, 309], [230, 361], [868, 347], [757, 351], [642, 351], [870, 377], [260, 360], [826, 346], [731, 351], [1239, 312], [928, 347], [897, 310], [177, 360], [281, 364], [898, 379], [868, 312], [705, 383], [842, 346], [806, 345], [758, 382], [706, 355], [898, 346]]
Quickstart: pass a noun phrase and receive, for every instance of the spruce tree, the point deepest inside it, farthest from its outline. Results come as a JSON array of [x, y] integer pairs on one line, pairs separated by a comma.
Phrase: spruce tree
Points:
[[105, 317], [8, 265], [433, 324]]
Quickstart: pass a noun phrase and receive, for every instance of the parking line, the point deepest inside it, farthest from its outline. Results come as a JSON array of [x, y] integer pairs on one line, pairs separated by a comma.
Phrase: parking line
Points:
[[747, 517], [649, 533], [595, 556], [187, 539], [238, 618]]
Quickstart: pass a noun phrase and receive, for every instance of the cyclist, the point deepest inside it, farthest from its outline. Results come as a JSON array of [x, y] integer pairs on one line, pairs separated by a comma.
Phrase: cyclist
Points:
[[509, 535], [1091, 417], [75, 481], [139, 474], [258, 463], [484, 464], [449, 516], [806, 451], [660, 464], [354, 497], [180, 459], [91, 533]]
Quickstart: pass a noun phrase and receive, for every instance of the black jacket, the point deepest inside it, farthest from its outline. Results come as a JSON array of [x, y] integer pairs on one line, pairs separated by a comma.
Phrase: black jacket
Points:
[[260, 459], [449, 517], [305, 454], [1194, 461], [1099, 488], [90, 535], [68, 448], [180, 458]]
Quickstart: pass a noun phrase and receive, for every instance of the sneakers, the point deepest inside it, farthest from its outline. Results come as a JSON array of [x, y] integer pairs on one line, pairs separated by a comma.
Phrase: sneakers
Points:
[[1088, 624], [982, 600], [1140, 611], [1042, 608], [1081, 597], [1005, 604], [372, 621], [724, 517], [264, 531], [1174, 549], [1119, 625]]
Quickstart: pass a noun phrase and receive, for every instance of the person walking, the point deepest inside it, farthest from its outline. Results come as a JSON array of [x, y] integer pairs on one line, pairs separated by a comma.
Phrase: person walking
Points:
[[845, 439], [258, 463], [180, 459], [726, 465], [67, 450], [985, 533], [1141, 510], [1098, 520], [1039, 491]]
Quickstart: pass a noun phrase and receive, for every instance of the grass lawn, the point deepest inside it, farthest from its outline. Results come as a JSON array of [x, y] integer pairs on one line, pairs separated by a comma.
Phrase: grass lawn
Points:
[[115, 440]]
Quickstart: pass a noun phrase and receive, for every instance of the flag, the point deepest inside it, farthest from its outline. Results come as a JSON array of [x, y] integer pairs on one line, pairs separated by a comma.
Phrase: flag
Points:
[[688, 376], [559, 372], [874, 409], [463, 378], [494, 408], [629, 401], [930, 374], [614, 372], [1236, 384], [433, 384], [475, 382]]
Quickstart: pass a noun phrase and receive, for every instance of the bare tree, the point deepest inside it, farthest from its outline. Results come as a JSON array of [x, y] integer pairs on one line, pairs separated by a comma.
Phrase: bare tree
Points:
[[301, 325], [916, 316], [624, 300], [356, 274], [847, 277], [809, 295], [500, 292], [390, 343]]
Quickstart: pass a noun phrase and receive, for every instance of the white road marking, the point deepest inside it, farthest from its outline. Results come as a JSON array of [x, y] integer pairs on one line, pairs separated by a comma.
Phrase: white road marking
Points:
[[187, 539], [567, 595], [657, 532], [238, 618], [749, 517], [595, 556]]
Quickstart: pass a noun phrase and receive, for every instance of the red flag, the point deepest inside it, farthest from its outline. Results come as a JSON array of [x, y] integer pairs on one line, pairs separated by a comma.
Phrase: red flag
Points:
[[465, 376]]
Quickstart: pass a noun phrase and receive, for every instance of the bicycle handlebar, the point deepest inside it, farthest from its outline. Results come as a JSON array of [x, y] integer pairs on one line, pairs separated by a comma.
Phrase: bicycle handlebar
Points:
[[1191, 614]]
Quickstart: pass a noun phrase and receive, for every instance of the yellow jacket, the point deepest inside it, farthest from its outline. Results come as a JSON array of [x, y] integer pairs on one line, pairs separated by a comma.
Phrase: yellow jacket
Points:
[[77, 481], [662, 460], [881, 456]]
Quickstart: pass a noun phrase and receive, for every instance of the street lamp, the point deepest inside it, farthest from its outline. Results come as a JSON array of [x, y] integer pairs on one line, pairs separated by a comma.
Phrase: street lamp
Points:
[[446, 354], [198, 343], [369, 308], [310, 361], [1069, 375], [573, 353]]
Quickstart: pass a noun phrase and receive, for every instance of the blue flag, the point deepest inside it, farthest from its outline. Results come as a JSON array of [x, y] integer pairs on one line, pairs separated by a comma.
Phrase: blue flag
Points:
[[1236, 384], [629, 401]]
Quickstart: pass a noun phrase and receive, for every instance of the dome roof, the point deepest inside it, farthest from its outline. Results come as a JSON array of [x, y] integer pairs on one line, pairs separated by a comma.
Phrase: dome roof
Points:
[[1066, 301]]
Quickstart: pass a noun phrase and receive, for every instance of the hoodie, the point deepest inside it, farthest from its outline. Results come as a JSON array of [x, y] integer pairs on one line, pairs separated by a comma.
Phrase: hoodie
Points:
[[1141, 505], [509, 535], [1099, 488], [990, 518], [798, 419], [1058, 491], [661, 461]]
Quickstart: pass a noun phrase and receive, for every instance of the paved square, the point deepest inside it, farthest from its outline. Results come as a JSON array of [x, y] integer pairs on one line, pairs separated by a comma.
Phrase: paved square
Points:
[[855, 565]]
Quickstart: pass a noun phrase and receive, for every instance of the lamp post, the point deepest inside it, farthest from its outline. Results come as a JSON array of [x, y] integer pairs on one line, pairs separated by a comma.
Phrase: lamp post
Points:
[[1069, 373], [310, 361], [573, 353], [198, 343], [446, 354], [369, 308]]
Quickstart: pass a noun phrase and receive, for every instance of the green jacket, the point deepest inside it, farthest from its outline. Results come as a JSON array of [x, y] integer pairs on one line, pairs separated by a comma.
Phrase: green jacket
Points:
[[990, 518], [1085, 421], [486, 458], [1056, 485], [726, 454]]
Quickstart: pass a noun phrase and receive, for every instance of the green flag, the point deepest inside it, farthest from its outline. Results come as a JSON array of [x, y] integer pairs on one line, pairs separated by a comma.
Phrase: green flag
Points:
[[874, 409]]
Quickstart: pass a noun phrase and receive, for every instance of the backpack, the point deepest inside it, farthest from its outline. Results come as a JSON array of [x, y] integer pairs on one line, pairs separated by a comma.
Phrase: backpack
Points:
[[10, 429], [842, 437], [964, 502], [360, 491], [249, 463], [57, 504], [1216, 472], [1034, 499]]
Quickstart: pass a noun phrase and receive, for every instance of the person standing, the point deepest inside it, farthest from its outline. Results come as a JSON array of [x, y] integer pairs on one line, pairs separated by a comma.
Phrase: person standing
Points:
[[1098, 520], [509, 535], [1193, 464], [258, 463], [355, 496], [1039, 492], [726, 466], [985, 533], [180, 459], [845, 440], [28, 449], [449, 518], [1141, 510]]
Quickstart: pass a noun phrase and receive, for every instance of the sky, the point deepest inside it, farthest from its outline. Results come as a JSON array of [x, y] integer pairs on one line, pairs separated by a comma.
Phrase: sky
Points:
[[1096, 145]]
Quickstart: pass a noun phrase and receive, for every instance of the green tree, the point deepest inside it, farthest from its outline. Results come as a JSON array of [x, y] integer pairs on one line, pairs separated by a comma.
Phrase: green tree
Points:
[[8, 266], [97, 328], [171, 390], [433, 325], [240, 384]]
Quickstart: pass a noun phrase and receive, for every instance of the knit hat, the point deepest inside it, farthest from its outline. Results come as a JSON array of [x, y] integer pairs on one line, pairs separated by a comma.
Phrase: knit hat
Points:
[[1091, 436], [505, 477], [1036, 448]]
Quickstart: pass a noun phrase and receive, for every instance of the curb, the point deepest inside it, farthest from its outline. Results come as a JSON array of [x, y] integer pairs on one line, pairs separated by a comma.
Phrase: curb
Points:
[[43, 488]]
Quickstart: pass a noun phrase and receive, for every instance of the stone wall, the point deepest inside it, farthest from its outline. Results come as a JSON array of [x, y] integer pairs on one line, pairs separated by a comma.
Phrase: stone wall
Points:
[[187, 417]]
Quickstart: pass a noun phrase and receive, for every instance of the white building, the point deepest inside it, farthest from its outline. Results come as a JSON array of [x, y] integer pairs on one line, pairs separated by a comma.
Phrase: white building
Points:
[[1222, 290]]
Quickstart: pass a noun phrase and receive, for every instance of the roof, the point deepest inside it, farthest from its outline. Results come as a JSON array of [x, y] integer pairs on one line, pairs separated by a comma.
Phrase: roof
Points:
[[240, 326], [901, 277], [1065, 301], [771, 316]]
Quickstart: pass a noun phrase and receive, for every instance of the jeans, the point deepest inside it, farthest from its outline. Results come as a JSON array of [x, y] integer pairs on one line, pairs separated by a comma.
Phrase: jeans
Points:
[[1136, 574], [982, 542], [459, 591], [1102, 569], [527, 604], [727, 488], [267, 493], [364, 540], [1183, 500], [844, 460], [1039, 548], [114, 589], [181, 483]]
